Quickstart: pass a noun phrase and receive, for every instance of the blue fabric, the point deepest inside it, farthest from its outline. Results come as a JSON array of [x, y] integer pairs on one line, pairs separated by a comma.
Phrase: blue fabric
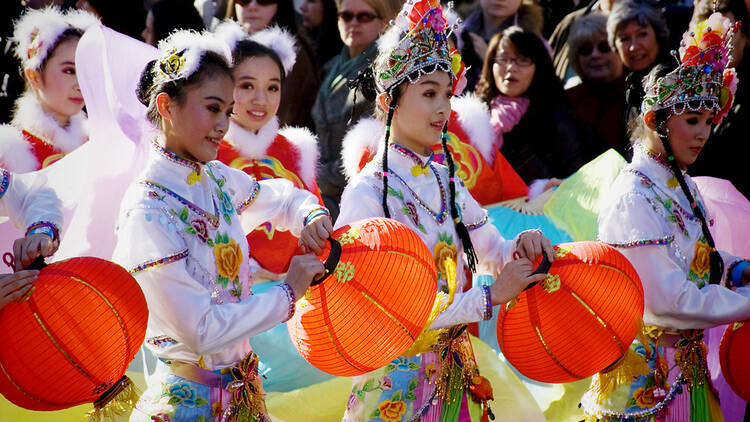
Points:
[[510, 222], [736, 276], [282, 367]]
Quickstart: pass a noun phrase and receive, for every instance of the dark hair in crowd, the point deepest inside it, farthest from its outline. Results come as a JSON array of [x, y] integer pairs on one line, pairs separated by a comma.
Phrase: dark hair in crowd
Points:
[[247, 48], [212, 65], [171, 15], [661, 117], [365, 83], [127, 17], [545, 89], [328, 38]]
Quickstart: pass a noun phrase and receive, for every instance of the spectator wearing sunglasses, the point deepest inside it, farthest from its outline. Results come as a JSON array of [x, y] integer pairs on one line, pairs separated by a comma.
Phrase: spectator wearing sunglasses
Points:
[[337, 107], [491, 17], [599, 99], [530, 111], [320, 18], [304, 78]]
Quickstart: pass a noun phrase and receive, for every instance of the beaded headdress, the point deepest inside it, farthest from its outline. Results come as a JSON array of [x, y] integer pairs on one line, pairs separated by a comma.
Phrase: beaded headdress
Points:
[[702, 80], [37, 31], [417, 40], [181, 53]]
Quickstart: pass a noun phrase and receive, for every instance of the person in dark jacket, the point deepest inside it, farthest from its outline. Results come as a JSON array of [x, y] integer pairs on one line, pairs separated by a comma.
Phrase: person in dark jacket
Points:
[[530, 111]]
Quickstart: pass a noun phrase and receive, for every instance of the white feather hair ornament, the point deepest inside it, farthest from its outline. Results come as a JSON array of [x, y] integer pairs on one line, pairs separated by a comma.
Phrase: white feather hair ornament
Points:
[[37, 31], [280, 41], [180, 54], [230, 32]]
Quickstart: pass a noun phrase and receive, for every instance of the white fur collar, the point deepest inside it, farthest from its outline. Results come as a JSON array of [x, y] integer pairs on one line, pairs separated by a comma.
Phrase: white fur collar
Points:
[[366, 134], [249, 144], [15, 154], [474, 119], [31, 117], [307, 146]]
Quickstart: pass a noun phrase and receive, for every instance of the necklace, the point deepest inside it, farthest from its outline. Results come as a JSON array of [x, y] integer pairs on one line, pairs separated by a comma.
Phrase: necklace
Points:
[[419, 168], [438, 216], [193, 177]]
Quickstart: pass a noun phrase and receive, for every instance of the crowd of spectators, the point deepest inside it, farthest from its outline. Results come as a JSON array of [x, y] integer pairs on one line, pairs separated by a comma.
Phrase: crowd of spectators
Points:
[[562, 78]]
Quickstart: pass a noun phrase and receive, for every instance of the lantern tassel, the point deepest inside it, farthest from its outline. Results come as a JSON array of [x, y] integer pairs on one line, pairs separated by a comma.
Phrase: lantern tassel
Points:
[[119, 400], [630, 366]]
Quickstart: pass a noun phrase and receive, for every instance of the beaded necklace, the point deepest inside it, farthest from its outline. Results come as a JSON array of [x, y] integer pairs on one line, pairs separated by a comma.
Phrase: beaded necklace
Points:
[[193, 177], [419, 167], [438, 216]]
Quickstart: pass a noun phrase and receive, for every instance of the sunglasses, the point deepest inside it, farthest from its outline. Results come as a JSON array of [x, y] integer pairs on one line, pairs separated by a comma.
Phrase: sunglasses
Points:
[[244, 3], [586, 49], [521, 61], [362, 17]]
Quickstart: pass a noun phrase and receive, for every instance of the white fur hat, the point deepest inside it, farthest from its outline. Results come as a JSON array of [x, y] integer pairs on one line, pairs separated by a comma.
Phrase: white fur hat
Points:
[[180, 54], [277, 39], [37, 31]]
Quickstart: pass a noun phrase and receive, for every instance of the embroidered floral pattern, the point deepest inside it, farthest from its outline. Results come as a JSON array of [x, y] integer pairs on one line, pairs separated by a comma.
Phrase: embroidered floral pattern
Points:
[[183, 394], [445, 248], [344, 272], [228, 259], [700, 267], [390, 410]]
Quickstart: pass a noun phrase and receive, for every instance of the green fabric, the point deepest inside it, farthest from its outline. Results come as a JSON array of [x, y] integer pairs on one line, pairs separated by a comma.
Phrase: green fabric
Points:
[[575, 205], [475, 409], [452, 408], [699, 410]]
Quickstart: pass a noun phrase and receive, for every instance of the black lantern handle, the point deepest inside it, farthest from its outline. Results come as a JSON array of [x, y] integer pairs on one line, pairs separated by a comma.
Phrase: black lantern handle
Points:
[[331, 262]]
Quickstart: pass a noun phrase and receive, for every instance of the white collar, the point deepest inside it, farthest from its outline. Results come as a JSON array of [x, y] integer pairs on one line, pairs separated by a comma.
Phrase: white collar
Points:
[[249, 144], [30, 116]]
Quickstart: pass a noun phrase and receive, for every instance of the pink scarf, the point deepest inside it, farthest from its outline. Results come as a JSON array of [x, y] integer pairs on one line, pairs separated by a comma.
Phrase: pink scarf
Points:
[[505, 113]]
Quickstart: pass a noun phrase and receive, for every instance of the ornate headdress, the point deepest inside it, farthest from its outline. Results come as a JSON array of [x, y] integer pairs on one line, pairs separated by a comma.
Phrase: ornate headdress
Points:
[[417, 40], [702, 80], [37, 31], [276, 38], [181, 53]]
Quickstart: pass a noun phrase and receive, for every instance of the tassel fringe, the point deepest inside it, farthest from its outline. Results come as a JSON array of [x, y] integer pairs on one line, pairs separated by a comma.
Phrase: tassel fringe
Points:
[[119, 400]]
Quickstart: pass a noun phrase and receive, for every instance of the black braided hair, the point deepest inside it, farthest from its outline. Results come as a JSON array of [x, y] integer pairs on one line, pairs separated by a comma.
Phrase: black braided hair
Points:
[[394, 95], [461, 230], [717, 264]]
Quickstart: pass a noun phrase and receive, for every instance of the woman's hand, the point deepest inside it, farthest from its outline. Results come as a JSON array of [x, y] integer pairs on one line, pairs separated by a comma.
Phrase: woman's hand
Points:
[[315, 234], [303, 269], [15, 286], [531, 243], [27, 249], [515, 276]]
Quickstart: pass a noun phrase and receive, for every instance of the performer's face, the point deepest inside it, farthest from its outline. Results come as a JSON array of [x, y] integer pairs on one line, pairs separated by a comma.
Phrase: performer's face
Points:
[[423, 110], [57, 84], [688, 133], [194, 127], [257, 92]]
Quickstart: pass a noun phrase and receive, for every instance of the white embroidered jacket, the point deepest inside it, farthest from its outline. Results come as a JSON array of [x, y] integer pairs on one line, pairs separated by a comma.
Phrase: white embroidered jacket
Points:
[[25, 200], [181, 233], [648, 218], [417, 201]]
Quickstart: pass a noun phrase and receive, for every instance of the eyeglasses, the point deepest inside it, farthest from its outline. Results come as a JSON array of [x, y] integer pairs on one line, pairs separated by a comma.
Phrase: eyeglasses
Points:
[[244, 3], [586, 49], [521, 61], [362, 17]]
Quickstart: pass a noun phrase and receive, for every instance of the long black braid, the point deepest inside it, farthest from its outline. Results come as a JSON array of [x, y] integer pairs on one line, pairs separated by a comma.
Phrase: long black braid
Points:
[[717, 264], [461, 230], [394, 96]]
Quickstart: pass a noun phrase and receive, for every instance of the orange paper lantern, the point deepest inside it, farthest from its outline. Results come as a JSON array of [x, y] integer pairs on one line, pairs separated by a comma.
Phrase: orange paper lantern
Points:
[[576, 322], [74, 337], [733, 353], [374, 304]]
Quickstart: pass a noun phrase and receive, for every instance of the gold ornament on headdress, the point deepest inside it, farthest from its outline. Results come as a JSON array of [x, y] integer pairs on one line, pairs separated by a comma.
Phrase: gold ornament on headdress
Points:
[[172, 64]]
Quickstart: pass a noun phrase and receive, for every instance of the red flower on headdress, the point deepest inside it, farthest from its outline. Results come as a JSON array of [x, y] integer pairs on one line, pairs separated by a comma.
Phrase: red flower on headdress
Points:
[[692, 54]]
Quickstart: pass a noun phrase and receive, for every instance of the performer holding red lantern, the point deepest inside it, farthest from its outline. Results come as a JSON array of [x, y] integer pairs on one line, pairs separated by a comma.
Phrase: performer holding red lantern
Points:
[[181, 236], [415, 77], [656, 217], [254, 143], [28, 204], [49, 121]]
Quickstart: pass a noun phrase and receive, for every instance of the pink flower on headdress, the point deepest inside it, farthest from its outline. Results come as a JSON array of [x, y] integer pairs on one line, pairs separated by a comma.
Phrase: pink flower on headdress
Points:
[[726, 99], [436, 20]]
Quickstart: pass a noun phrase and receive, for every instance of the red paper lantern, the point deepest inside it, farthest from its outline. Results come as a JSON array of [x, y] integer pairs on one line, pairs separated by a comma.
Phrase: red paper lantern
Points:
[[373, 306], [733, 353], [74, 337], [576, 322]]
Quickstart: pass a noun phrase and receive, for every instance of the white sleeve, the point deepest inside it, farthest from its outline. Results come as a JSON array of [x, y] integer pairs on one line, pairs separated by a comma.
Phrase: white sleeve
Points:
[[674, 301], [279, 202], [179, 305], [359, 201], [25, 199]]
